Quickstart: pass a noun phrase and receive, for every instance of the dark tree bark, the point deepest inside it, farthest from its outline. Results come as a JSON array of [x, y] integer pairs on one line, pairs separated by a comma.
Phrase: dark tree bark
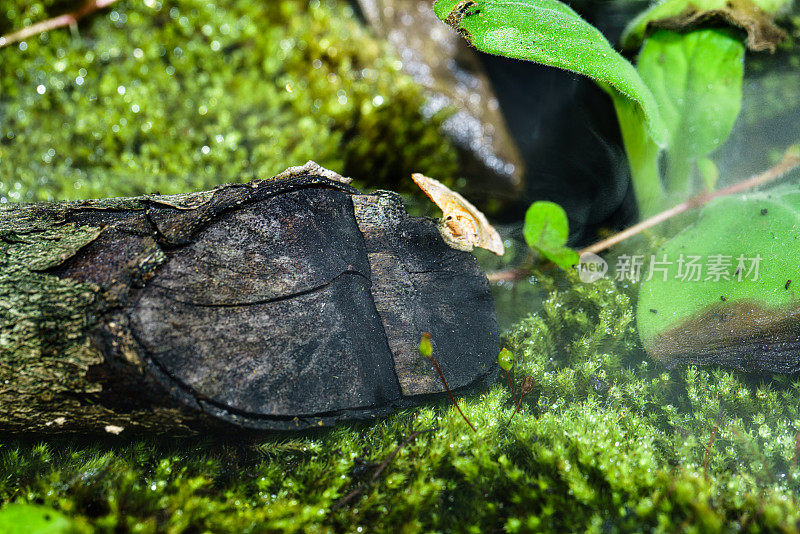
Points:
[[278, 304]]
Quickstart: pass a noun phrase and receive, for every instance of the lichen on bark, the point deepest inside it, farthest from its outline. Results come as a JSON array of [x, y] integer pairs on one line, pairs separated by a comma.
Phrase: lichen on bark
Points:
[[52, 370], [44, 352]]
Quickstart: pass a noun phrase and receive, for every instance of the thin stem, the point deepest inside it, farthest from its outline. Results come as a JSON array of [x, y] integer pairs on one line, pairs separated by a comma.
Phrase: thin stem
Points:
[[642, 153], [679, 173], [353, 494], [711, 440], [447, 388], [516, 410], [511, 387], [790, 160], [525, 388], [67, 19]]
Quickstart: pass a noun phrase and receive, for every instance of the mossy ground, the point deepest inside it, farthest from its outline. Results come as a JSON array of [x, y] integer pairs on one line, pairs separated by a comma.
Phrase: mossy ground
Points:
[[151, 96], [606, 441]]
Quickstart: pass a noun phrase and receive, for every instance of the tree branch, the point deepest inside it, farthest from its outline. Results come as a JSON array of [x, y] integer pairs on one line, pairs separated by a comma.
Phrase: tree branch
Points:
[[790, 160], [67, 19]]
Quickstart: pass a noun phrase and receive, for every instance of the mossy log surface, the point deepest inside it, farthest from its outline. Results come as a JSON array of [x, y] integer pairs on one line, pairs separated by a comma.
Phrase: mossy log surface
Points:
[[277, 304]]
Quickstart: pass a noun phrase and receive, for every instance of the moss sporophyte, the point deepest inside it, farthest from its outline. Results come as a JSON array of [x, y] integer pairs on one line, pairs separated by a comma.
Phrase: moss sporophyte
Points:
[[426, 351]]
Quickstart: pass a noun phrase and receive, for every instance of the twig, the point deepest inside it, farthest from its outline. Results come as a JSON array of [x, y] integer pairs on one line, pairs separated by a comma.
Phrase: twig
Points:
[[67, 19], [790, 160], [508, 275], [353, 494]]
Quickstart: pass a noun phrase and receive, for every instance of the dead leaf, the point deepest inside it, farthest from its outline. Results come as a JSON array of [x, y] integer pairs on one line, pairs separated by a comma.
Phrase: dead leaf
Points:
[[762, 33], [462, 225]]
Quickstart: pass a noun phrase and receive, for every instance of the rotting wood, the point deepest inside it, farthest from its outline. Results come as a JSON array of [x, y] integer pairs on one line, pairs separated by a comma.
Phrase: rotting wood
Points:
[[277, 304]]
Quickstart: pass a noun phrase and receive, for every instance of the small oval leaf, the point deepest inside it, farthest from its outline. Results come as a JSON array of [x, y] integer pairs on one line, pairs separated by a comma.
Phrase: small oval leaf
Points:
[[546, 229]]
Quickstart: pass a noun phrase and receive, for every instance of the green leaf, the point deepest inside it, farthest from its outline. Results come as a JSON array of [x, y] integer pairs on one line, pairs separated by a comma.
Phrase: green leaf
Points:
[[697, 79], [754, 16], [759, 230], [546, 229], [642, 155], [32, 519], [551, 33], [708, 172]]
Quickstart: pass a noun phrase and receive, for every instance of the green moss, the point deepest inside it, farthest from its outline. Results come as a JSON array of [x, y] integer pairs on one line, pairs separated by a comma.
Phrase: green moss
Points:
[[607, 441], [172, 97]]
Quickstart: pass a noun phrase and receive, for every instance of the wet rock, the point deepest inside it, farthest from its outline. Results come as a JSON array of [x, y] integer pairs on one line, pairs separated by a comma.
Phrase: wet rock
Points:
[[440, 60]]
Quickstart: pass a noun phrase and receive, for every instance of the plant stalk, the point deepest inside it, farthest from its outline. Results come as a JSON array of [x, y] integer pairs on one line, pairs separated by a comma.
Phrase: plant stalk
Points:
[[67, 19]]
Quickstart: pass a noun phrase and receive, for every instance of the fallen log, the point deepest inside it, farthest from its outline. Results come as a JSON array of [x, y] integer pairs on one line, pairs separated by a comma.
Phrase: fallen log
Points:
[[278, 304]]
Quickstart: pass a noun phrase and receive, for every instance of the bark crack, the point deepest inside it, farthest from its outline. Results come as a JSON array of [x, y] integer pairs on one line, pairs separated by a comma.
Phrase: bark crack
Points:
[[270, 300]]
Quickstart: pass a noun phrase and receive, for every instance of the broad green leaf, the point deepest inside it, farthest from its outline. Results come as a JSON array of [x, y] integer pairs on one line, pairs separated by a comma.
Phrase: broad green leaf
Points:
[[746, 248], [546, 229], [708, 172], [551, 33], [697, 79], [32, 519], [754, 16]]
